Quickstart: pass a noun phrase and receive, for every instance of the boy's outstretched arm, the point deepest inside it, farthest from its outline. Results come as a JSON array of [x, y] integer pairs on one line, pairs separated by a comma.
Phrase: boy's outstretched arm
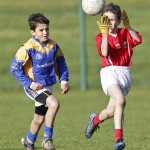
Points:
[[127, 25]]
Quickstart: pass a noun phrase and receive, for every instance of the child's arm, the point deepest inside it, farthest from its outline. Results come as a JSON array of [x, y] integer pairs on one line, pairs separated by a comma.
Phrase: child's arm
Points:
[[134, 34], [62, 71], [104, 28], [16, 67], [36, 86], [64, 87], [126, 24]]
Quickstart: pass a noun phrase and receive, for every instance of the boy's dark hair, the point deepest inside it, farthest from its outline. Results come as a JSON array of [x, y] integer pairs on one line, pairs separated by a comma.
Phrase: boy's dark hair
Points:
[[36, 18], [115, 9]]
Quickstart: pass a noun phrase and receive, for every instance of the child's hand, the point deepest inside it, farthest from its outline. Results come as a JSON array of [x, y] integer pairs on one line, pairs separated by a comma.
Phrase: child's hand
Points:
[[36, 86], [64, 88], [125, 19], [104, 24]]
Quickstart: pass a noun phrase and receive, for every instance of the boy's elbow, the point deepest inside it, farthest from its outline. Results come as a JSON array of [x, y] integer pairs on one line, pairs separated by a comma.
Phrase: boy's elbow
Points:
[[139, 40]]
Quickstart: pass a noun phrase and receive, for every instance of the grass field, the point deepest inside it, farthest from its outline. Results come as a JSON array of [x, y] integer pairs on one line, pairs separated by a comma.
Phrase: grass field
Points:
[[72, 119], [15, 108]]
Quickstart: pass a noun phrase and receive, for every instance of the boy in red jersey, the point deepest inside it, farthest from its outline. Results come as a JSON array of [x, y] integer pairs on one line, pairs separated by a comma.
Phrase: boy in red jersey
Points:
[[115, 49]]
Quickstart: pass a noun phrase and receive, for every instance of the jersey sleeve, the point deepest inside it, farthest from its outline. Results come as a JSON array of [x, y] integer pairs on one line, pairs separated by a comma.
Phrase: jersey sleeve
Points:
[[133, 41], [61, 66], [17, 67]]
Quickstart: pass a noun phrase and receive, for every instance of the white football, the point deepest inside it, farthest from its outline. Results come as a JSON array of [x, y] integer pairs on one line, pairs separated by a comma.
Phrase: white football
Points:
[[93, 7]]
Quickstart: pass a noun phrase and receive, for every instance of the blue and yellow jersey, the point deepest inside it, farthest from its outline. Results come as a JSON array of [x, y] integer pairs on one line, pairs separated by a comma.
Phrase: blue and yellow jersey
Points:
[[40, 63]]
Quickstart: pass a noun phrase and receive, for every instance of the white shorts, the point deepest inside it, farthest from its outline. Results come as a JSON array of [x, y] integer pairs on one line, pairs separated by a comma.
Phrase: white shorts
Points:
[[116, 75], [33, 94]]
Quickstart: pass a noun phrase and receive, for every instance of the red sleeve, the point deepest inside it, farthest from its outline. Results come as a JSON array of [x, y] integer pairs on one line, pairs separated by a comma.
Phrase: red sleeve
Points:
[[134, 41], [138, 42]]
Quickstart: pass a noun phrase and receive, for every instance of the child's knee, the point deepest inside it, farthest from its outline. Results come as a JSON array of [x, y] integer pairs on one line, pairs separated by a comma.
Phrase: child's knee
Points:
[[38, 120], [52, 102]]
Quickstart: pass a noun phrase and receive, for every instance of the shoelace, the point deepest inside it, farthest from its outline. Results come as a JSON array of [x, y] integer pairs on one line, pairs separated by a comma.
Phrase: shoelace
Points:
[[96, 128]]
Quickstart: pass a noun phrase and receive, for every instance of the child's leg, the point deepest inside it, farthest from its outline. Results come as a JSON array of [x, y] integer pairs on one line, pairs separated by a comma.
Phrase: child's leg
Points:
[[96, 119], [30, 139], [53, 106], [116, 94], [105, 113], [36, 123]]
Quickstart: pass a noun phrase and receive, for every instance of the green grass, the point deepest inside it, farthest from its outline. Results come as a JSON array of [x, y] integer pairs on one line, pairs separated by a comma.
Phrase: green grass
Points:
[[17, 111]]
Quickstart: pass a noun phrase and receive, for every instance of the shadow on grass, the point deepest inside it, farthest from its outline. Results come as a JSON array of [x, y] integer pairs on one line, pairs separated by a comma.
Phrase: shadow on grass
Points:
[[36, 148]]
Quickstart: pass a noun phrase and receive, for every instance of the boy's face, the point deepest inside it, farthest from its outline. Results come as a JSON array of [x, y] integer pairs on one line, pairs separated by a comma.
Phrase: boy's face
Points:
[[41, 32], [114, 22]]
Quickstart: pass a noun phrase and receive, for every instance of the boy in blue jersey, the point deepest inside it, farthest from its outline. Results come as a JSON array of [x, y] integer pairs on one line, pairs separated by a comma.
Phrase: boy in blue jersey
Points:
[[35, 65]]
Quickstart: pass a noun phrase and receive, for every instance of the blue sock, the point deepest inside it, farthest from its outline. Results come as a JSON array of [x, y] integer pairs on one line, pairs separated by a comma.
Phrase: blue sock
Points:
[[31, 138], [48, 132]]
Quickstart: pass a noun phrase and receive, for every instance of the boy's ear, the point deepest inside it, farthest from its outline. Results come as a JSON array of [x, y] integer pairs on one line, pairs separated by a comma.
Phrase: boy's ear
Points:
[[32, 33]]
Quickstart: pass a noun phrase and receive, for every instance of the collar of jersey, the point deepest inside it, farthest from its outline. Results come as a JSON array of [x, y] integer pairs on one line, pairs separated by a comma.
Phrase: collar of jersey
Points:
[[43, 44]]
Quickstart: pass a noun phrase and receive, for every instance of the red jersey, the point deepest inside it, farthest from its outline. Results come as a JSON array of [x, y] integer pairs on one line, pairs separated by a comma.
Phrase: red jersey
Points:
[[119, 48]]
